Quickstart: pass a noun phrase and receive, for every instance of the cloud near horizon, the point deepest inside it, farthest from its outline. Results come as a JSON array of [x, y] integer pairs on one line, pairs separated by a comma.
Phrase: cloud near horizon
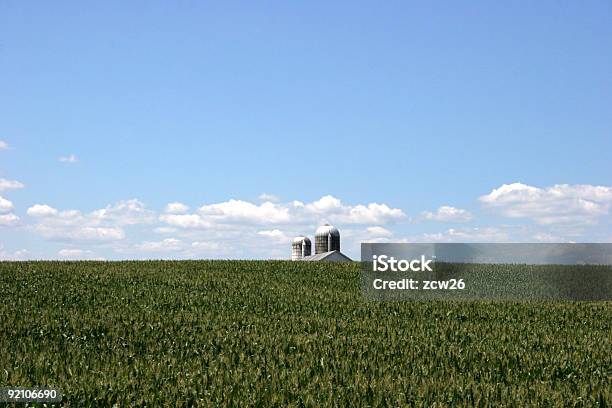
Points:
[[447, 213], [105, 224], [217, 229], [327, 208], [561, 204], [240, 228]]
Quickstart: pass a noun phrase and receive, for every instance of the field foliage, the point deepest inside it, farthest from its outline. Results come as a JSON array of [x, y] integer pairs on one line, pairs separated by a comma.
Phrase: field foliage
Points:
[[241, 333]]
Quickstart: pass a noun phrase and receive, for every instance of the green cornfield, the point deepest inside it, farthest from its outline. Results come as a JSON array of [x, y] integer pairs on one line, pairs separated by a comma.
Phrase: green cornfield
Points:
[[276, 333]]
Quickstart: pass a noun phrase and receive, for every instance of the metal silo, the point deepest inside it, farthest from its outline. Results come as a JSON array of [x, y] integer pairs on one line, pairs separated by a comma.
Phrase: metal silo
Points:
[[327, 238], [300, 247]]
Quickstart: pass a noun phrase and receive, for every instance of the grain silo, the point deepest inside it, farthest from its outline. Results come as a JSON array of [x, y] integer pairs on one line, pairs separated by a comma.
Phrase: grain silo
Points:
[[327, 246], [327, 239], [300, 248]]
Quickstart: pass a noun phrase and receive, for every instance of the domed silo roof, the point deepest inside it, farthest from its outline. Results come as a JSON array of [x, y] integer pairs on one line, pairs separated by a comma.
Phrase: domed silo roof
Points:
[[300, 239], [327, 229], [300, 247], [327, 238]]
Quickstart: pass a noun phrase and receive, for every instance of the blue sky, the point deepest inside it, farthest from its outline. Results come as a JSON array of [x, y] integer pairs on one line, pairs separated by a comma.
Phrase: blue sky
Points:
[[487, 121]]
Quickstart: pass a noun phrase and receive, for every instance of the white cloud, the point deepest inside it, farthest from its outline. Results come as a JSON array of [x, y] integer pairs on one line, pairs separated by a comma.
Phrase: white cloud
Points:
[[506, 233], [41, 210], [73, 253], [487, 234], [232, 229], [185, 220], [206, 246], [165, 230], [371, 214], [18, 255], [243, 213], [176, 208], [72, 233], [126, 212], [5, 205], [68, 159], [271, 233], [242, 229], [21, 254], [8, 220], [103, 225], [324, 205], [166, 245], [332, 208], [10, 184], [79, 254], [275, 235], [448, 214], [3, 145], [268, 197], [559, 204], [379, 231], [177, 248]]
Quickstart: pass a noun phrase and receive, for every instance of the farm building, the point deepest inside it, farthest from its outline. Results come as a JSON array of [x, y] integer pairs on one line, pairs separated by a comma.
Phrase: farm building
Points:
[[327, 246]]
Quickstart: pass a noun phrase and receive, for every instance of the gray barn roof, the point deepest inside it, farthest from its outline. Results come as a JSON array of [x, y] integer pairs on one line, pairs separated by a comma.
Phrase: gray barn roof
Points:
[[331, 256]]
